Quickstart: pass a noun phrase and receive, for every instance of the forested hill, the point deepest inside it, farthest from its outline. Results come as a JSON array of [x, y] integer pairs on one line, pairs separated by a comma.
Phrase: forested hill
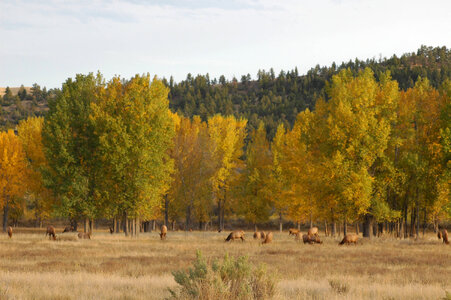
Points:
[[278, 98], [273, 98]]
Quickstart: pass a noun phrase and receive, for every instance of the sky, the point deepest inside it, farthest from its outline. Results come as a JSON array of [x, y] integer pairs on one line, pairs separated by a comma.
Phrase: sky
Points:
[[48, 41]]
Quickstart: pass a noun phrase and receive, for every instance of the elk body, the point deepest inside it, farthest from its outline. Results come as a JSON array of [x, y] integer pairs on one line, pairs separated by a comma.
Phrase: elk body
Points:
[[10, 231], [84, 235], [443, 234], [293, 231], [163, 232], [257, 235], [313, 231], [268, 238], [349, 239], [51, 232], [235, 235]]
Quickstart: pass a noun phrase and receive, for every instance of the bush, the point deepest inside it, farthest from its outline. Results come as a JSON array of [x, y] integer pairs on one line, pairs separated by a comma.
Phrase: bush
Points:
[[339, 287], [227, 279]]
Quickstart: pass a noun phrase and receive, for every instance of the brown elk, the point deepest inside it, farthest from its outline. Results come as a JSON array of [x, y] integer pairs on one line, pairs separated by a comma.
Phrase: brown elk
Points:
[[349, 239], [263, 235], [443, 234], [10, 231], [311, 239], [68, 229], [293, 231], [84, 235], [313, 231], [51, 232], [163, 232], [268, 238], [235, 235], [111, 230], [257, 235]]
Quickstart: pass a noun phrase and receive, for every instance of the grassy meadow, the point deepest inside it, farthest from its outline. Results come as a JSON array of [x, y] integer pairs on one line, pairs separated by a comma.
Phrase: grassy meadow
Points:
[[116, 267]]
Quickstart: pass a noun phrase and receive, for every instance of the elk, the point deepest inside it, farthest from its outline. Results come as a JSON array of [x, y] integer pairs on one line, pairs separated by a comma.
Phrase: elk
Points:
[[443, 234], [10, 231], [51, 232], [163, 232], [84, 235], [268, 238], [313, 231], [349, 239], [68, 229], [257, 235], [235, 235], [293, 231]]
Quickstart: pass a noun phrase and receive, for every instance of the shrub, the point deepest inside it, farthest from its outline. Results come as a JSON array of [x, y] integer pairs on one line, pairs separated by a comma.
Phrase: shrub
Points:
[[227, 279], [339, 287]]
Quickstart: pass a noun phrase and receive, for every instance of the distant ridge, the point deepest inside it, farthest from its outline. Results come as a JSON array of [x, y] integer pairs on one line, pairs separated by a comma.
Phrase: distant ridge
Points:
[[14, 90]]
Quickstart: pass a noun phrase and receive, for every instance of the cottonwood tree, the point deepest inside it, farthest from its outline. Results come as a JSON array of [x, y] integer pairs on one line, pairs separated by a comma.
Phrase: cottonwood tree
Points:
[[13, 168], [30, 134], [226, 135], [135, 130], [70, 148]]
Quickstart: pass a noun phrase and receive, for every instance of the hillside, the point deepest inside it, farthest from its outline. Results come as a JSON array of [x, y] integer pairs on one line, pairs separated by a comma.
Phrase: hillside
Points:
[[272, 98]]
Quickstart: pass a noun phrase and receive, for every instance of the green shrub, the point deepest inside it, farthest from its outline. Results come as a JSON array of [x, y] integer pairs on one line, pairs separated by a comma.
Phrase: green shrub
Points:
[[227, 279]]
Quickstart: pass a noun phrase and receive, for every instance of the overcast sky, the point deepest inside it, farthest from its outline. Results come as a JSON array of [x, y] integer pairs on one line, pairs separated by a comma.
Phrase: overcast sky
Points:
[[47, 41]]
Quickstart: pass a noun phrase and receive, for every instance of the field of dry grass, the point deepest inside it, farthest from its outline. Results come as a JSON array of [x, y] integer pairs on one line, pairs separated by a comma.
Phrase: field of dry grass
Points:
[[115, 267]]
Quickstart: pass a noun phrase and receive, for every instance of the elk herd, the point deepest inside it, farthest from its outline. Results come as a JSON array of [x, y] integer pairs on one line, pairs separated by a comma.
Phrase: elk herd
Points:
[[311, 237]]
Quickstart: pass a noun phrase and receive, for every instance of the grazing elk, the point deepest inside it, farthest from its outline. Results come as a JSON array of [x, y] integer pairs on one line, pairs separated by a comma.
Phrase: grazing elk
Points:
[[263, 235], [68, 229], [349, 239], [257, 235], [235, 235], [51, 232], [84, 235], [443, 234], [163, 232], [293, 231], [10, 231], [313, 231], [311, 239], [268, 238]]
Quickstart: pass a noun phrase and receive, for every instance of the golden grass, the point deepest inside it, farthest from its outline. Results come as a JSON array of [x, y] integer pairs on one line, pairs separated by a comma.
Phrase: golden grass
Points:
[[115, 267]]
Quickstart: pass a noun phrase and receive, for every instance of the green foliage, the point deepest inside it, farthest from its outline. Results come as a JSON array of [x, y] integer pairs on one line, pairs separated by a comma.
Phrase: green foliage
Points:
[[227, 279]]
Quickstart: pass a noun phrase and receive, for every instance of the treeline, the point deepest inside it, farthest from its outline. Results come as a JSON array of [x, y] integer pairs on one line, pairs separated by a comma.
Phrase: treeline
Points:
[[278, 98], [268, 97], [372, 154]]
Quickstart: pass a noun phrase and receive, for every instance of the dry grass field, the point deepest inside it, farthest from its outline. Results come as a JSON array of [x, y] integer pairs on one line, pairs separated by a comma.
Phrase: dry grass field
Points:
[[115, 267]]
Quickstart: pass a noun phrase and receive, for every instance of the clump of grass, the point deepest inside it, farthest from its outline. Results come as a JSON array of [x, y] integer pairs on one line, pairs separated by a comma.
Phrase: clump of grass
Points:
[[339, 287], [447, 296], [227, 279]]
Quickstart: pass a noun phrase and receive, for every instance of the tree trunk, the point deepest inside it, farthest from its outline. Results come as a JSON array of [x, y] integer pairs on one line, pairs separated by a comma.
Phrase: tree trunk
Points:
[[219, 216], [424, 222], [280, 222], [5, 216], [255, 227], [334, 228], [166, 210], [412, 222], [345, 227], [311, 221], [367, 226], [154, 225], [418, 214], [405, 220], [357, 228], [326, 233], [375, 228], [298, 225], [86, 225], [188, 218], [126, 228]]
